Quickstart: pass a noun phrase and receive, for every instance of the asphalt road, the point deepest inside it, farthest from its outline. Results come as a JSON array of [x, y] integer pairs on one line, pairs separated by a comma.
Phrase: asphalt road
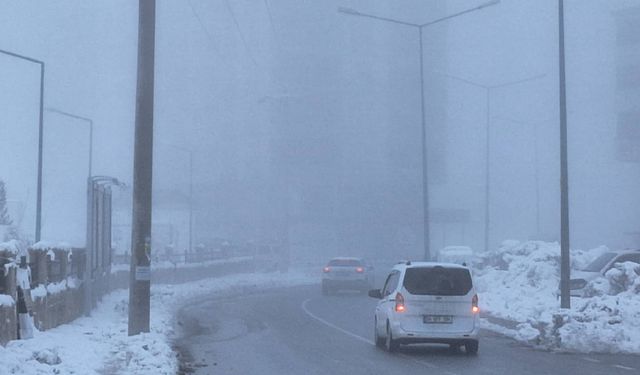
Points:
[[298, 331]]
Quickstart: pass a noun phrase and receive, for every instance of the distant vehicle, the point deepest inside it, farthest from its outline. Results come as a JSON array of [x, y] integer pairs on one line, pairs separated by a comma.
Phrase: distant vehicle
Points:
[[427, 302], [347, 274], [456, 254], [597, 268]]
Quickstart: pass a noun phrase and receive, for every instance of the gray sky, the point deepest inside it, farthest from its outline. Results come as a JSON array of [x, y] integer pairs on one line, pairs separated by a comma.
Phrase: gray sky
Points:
[[237, 80]]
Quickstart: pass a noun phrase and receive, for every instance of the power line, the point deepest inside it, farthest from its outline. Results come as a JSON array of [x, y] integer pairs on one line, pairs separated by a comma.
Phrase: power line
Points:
[[207, 33]]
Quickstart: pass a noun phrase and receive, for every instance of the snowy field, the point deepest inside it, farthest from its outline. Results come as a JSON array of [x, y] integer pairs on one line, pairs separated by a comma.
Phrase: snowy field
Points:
[[519, 282], [100, 345]]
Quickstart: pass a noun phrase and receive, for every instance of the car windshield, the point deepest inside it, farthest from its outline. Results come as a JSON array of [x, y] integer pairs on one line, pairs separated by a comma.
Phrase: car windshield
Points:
[[600, 262], [437, 281], [345, 263]]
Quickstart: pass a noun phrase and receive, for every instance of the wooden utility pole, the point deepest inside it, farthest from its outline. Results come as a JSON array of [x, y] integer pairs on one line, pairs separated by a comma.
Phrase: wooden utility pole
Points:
[[140, 273]]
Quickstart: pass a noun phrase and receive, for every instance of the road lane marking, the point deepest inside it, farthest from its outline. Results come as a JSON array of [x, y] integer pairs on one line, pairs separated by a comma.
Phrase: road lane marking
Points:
[[327, 323], [360, 338], [624, 367], [591, 360]]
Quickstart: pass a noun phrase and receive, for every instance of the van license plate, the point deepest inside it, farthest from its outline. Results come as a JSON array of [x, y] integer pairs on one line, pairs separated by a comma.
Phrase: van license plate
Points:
[[438, 319]]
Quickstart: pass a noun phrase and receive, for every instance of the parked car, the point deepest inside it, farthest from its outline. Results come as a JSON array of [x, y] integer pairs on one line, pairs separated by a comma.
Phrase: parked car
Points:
[[427, 302], [347, 274], [597, 268]]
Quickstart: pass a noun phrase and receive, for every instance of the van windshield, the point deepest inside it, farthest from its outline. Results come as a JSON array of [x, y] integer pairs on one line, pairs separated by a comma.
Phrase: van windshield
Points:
[[437, 281]]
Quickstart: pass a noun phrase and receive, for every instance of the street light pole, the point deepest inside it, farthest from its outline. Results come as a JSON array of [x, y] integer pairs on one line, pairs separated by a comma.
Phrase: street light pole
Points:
[[425, 167], [89, 121], [420, 27], [488, 92], [487, 171], [40, 139], [565, 269], [190, 201]]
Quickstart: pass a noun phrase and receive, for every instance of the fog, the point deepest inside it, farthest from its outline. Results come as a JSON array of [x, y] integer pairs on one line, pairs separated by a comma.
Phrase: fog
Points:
[[304, 123]]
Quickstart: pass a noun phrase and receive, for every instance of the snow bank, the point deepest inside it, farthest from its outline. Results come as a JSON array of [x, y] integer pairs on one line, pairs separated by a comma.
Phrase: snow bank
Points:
[[39, 292], [7, 267], [12, 247], [6, 300], [99, 344], [55, 288], [48, 245], [519, 282]]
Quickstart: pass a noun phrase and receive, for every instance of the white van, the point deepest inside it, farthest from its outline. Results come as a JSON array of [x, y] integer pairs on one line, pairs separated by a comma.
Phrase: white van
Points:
[[427, 302]]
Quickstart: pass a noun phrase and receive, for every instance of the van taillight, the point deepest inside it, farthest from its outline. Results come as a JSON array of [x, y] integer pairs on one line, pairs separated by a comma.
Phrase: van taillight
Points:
[[359, 269], [326, 270], [474, 304], [400, 302]]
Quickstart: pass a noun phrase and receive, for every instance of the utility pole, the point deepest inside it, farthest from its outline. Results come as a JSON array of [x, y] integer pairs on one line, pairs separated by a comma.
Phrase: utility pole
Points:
[[565, 299], [423, 118], [190, 201], [426, 232], [140, 272]]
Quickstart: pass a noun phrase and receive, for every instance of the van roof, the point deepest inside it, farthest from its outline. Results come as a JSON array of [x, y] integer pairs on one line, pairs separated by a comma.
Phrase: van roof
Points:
[[428, 264]]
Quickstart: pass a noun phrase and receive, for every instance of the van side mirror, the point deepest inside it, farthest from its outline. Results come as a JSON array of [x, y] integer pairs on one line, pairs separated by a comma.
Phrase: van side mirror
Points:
[[375, 293]]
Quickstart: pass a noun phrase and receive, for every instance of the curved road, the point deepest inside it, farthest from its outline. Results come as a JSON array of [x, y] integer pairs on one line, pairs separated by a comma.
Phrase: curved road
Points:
[[298, 331]]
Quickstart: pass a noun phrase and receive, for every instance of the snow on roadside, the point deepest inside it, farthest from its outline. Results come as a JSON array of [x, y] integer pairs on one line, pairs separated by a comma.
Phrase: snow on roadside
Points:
[[99, 344], [170, 265], [519, 282], [12, 246], [6, 300]]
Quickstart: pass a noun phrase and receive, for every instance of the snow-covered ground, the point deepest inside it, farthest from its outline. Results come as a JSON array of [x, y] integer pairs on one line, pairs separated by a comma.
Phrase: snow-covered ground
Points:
[[100, 345], [519, 282]]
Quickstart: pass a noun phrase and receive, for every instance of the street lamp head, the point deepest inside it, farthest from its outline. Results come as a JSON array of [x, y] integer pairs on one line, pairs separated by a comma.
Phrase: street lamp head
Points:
[[349, 11]]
